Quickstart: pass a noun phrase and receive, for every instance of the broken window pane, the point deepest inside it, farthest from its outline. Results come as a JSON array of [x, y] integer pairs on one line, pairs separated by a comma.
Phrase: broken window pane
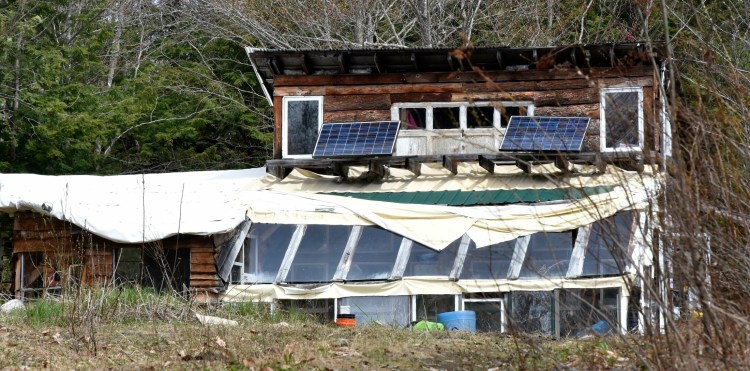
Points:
[[608, 243], [424, 261], [479, 117], [375, 255], [490, 262], [386, 310], [446, 118], [319, 253], [429, 306], [507, 112], [531, 312], [621, 117], [581, 309], [413, 118], [302, 117], [265, 250], [547, 255]]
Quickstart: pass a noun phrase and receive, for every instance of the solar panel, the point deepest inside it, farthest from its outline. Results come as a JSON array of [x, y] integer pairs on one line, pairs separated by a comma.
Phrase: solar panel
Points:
[[356, 139], [527, 133]]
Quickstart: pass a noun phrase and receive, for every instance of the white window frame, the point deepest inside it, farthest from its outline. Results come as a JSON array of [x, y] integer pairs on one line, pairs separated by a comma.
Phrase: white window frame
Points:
[[603, 120], [285, 122], [462, 112], [500, 300]]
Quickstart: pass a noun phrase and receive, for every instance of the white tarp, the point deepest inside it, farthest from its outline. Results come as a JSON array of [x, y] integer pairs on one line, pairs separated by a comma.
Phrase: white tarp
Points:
[[143, 208]]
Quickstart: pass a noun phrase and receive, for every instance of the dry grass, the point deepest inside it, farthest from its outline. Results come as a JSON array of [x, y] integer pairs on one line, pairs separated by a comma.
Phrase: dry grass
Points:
[[42, 336]]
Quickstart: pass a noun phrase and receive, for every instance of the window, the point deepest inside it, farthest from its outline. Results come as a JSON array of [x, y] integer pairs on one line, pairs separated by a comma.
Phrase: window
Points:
[[319, 254], [128, 264], [490, 311], [302, 118], [608, 244], [621, 119], [375, 255], [427, 307], [424, 261], [387, 310], [446, 116], [583, 310], [491, 262], [39, 275], [261, 256], [547, 255]]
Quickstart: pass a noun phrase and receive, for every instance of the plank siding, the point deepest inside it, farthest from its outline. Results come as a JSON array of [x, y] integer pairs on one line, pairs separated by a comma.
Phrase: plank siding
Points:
[[357, 115], [357, 102], [68, 245]]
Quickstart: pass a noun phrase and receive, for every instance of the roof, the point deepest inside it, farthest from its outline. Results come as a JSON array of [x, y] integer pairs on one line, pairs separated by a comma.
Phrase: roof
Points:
[[270, 63]]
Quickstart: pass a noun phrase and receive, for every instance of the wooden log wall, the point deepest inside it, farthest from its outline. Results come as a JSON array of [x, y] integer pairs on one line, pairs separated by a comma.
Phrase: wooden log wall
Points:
[[554, 92], [65, 244]]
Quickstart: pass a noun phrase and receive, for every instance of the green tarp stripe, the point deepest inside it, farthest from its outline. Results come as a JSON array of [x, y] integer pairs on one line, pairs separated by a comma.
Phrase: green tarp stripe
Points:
[[468, 198]]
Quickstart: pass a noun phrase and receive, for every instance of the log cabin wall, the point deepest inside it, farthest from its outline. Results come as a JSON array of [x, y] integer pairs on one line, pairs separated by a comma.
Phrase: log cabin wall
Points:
[[365, 85], [552, 93], [61, 248]]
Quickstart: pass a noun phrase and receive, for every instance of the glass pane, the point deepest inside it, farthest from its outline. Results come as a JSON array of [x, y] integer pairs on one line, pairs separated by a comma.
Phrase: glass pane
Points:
[[388, 310], [424, 261], [490, 262], [581, 310], [531, 312], [489, 314], [608, 243], [429, 306], [446, 118], [507, 112], [547, 255], [479, 117], [621, 116], [265, 250], [375, 255], [319, 253], [413, 118], [302, 120]]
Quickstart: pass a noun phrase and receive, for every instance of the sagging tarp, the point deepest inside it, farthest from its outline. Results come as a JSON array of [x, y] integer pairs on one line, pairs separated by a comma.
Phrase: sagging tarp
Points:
[[144, 208]]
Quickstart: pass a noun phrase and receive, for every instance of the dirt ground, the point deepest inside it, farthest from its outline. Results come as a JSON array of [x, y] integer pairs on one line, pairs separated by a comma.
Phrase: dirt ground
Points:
[[295, 345]]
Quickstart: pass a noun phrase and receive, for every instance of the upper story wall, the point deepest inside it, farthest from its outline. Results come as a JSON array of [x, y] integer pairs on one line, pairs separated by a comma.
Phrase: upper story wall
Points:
[[458, 102]]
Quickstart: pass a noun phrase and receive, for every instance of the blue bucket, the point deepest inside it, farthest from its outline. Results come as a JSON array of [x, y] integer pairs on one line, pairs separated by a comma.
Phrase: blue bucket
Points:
[[464, 320]]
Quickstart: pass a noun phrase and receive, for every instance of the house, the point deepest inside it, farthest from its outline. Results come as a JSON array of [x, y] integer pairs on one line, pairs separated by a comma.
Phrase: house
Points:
[[534, 241]]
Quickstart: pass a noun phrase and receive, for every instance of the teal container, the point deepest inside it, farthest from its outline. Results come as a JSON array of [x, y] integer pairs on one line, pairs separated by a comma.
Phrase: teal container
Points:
[[463, 320]]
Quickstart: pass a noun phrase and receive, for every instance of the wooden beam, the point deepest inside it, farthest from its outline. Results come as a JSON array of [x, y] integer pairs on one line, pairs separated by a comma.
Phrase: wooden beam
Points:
[[524, 165], [343, 63], [276, 66], [305, 64], [376, 61], [451, 163], [377, 168], [414, 165], [487, 164], [562, 163]]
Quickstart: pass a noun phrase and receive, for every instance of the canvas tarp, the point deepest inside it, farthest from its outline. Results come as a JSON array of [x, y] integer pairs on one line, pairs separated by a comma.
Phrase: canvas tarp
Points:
[[415, 286], [143, 208]]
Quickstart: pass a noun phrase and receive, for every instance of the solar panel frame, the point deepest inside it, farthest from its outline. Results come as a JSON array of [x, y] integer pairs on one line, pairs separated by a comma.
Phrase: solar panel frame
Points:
[[546, 134], [356, 139]]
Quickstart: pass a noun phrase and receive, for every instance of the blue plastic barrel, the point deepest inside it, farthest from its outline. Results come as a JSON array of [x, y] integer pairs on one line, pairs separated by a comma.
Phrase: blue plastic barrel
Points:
[[463, 320]]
